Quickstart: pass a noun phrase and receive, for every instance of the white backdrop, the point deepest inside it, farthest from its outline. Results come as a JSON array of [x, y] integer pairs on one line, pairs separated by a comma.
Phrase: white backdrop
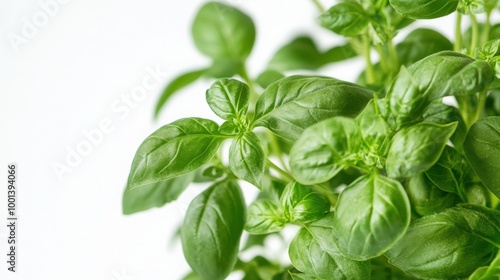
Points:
[[74, 70]]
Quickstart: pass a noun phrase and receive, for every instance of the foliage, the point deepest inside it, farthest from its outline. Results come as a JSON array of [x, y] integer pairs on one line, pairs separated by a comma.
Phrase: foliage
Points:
[[384, 179]]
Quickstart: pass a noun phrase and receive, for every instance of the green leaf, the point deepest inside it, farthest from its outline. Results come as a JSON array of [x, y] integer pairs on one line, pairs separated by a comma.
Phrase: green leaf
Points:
[[174, 150], [421, 43], [191, 276], [313, 252], [373, 129], [268, 77], [155, 194], [247, 158], [294, 103], [223, 32], [174, 86], [303, 204], [450, 73], [228, 98], [450, 171], [482, 149], [426, 198], [448, 245], [302, 53], [303, 276], [213, 172], [438, 75], [383, 270], [260, 268], [371, 215], [348, 18], [265, 216], [212, 229], [321, 151], [416, 148], [491, 272], [225, 67], [441, 113], [424, 9]]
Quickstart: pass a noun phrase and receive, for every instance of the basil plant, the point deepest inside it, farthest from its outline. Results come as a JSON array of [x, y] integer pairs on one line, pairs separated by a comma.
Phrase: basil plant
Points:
[[381, 177]]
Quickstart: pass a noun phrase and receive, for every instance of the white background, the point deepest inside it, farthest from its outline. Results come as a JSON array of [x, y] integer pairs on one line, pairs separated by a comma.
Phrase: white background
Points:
[[66, 79]]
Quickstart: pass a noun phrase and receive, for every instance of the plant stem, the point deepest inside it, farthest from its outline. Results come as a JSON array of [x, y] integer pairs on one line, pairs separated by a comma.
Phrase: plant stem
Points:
[[480, 105], [475, 33], [394, 58], [318, 5], [275, 148], [485, 36], [248, 81], [279, 170], [326, 191], [458, 33], [370, 76]]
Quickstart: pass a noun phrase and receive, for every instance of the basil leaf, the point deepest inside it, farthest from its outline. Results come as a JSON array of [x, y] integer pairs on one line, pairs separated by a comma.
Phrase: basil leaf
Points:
[[313, 252], [320, 151], [174, 86], [303, 276], [421, 43], [223, 32], [482, 147], [228, 98], [438, 75], [441, 113], [426, 198], [225, 67], [260, 268], [300, 53], [294, 103], [373, 129], [371, 215], [265, 216], [174, 150], [247, 158], [339, 53], [416, 148], [450, 73], [155, 194], [424, 9], [348, 18], [302, 204], [268, 77], [450, 171], [212, 229], [383, 270], [448, 245], [490, 272]]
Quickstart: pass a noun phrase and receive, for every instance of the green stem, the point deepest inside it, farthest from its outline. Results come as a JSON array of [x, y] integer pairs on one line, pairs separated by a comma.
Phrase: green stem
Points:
[[480, 105], [475, 33], [275, 148], [279, 170], [458, 33], [370, 75], [485, 36], [244, 75], [394, 59], [383, 57], [318, 5], [326, 191]]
